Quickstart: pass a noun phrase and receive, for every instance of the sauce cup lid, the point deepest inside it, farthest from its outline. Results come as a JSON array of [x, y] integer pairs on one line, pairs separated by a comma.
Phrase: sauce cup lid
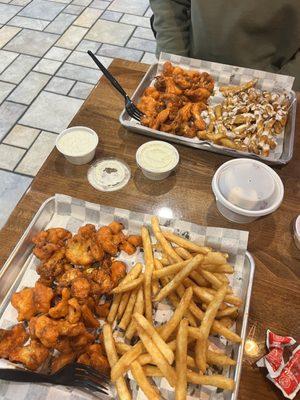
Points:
[[248, 187]]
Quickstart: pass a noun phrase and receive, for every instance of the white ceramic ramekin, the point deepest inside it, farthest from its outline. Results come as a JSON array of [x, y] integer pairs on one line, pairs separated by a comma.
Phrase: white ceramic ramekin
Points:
[[78, 159], [154, 173], [246, 189]]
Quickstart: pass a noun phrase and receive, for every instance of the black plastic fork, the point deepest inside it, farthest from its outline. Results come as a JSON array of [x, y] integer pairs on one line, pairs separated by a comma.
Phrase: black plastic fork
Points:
[[130, 107], [74, 374]]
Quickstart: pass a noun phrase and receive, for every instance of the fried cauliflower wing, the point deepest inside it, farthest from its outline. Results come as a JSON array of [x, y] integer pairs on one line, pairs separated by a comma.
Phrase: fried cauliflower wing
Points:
[[84, 251], [23, 302], [42, 296], [54, 266], [32, 356], [11, 339], [49, 241], [80, 288], [46, 330], [118, 271]]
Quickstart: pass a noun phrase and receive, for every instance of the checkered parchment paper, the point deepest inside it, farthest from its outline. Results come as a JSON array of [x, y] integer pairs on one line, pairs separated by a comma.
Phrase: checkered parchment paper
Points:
[[224, 74], [72, 213]]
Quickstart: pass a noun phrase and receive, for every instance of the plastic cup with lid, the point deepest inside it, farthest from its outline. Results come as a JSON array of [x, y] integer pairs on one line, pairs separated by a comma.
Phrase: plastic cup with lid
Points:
[[246, 189], [157, 159], [78, 144]]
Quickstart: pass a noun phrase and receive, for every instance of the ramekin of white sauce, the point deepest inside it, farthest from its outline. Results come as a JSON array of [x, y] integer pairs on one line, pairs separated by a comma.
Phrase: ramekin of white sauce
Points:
[[78, 144], [157, 159], [246, 189]]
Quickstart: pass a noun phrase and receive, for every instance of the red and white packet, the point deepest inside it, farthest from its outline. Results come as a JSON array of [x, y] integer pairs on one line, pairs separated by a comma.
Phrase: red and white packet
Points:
[[289, 379], [285, 376]]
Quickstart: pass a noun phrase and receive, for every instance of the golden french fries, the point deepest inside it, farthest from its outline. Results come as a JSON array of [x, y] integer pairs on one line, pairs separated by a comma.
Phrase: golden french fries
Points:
[[192, 278], [181, 360], [178, 278], [186, 244], [154, 335], [138, 308], [132, 274], [149, 266], [112, 357], [129, 286], [149, 390], [206, 324], [167, 248], [157, 356], [129, 310]]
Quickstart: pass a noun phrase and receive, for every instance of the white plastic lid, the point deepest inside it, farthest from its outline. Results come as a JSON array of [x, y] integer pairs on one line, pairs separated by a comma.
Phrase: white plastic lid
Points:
[[108, 174], [248, 187]]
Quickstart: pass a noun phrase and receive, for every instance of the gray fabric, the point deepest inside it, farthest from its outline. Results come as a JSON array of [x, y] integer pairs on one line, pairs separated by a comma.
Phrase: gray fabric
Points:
[[260, 34]]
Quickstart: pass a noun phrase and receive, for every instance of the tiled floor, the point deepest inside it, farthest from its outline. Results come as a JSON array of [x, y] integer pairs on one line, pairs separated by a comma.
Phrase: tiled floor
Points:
[[45, 73]]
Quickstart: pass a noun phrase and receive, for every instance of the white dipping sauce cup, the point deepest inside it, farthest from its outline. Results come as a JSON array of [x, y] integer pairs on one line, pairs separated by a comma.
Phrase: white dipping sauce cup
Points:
[[85, 156], [246, 189], [157, 159]]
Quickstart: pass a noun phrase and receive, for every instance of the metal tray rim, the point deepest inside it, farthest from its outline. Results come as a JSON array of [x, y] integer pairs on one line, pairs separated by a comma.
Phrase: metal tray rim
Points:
[[238, 369]]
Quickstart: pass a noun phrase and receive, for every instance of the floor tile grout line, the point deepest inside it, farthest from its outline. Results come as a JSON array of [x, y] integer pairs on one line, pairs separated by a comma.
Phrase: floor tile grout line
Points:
[[14, 145], [16, 173]]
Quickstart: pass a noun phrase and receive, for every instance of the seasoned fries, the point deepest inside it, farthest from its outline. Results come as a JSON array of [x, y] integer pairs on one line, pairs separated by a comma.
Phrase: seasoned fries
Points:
[[181, 360], [149, 266], [154, 335], [112, 356], [206, 325], [176, 281]]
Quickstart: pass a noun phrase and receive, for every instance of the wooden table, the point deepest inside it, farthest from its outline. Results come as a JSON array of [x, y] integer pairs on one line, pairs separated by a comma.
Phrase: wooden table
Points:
[[188, 194]]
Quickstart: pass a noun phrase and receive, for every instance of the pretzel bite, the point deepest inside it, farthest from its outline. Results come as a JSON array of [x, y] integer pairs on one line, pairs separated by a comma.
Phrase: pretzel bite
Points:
[[11, 339], [32, 356]]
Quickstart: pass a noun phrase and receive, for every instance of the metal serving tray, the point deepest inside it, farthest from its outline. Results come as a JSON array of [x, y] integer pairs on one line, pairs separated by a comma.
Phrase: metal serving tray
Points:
[[134, 126], [16, 265]]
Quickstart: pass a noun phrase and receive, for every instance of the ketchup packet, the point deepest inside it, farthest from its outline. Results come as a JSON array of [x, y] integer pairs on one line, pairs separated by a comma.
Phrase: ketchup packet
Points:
[[274, 361], [274, 340], [289, 379]]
